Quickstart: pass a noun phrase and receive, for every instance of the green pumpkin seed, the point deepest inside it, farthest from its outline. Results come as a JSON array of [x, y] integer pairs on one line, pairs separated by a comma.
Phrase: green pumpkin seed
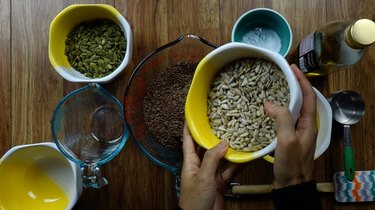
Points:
[[95, 48]]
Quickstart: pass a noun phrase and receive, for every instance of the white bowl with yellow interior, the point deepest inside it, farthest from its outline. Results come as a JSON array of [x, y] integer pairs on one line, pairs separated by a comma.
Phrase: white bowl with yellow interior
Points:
[[66, 21], [38, 176], [196, 102]]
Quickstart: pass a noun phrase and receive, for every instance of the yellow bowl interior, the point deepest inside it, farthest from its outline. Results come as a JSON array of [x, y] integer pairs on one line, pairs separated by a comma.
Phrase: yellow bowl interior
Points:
[[196, 104], [196, 101]]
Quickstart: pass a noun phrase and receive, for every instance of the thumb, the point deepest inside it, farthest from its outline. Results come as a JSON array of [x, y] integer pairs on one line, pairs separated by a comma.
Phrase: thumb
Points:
[[283, 120], [212, 158]]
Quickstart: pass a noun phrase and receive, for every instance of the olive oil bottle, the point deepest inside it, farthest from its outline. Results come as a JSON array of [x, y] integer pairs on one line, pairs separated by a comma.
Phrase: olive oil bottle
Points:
[[337, 44]]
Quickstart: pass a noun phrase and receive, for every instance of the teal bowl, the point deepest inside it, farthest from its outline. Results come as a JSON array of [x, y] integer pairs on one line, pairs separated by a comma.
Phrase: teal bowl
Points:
[[264, 28]]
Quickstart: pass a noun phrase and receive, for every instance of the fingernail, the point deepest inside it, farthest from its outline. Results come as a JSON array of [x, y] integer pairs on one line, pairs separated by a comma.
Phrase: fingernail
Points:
[[222, 144], [268, 104]]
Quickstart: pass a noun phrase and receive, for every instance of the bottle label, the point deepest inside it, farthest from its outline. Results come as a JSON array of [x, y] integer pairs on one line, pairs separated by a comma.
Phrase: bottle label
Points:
[[306, 58]]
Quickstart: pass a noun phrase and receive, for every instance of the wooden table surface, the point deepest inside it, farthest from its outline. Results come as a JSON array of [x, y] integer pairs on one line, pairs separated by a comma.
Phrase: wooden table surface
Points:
[[30, 89]]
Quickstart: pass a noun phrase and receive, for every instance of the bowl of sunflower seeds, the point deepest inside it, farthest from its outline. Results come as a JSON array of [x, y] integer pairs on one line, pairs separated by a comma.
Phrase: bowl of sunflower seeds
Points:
[[90, 43], [226, 99]]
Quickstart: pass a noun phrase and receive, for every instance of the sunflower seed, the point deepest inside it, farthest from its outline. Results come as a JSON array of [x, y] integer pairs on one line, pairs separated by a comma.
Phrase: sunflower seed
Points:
[[236, 99]]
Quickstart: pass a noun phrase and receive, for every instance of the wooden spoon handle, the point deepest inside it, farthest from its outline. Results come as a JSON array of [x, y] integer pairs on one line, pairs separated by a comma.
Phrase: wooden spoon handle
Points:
[[264, 189]]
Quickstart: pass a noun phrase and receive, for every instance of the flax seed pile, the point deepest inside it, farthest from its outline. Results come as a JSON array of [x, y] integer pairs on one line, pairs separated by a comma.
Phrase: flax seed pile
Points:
[[165, 101]]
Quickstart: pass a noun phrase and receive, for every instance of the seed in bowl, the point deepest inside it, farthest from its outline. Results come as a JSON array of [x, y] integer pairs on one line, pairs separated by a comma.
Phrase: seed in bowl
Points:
[[165, 101], [236, 103], [96, 48]]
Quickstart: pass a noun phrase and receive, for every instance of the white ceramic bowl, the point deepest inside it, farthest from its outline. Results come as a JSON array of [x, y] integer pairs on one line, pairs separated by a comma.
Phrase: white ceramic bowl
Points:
[[64, 23], [196, 102], [46, 156], [325, 124]]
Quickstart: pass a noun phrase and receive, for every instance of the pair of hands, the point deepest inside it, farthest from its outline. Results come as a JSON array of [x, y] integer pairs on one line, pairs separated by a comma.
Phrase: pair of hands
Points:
[[203, 183]]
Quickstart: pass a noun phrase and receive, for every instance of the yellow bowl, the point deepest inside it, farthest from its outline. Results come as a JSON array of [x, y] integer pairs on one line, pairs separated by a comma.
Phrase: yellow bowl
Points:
[[64, 23], [196, 102]]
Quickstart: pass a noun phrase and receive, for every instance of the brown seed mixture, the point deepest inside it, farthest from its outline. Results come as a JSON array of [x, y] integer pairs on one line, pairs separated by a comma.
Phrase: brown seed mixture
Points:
[[165, 101]]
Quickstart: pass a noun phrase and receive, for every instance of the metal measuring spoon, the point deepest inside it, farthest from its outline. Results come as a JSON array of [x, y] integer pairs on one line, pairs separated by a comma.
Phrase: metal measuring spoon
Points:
[[348, 108]]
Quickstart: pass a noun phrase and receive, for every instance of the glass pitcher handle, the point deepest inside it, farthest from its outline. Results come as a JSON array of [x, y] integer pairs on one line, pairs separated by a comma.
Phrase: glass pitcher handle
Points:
[[91, 177]]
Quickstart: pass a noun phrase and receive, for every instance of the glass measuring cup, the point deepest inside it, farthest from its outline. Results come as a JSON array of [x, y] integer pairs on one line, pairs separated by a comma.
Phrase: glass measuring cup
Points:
[[88, 127], [189, 48]]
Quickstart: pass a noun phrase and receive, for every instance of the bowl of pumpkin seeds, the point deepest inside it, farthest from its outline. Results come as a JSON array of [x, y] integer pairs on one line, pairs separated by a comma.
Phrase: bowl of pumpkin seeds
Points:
[[90, 43], [226, 99]]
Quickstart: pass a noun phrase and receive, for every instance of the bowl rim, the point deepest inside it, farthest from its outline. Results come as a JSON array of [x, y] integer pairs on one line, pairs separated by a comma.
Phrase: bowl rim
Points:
[[241, 17], [321, 101], [77, 184], [124, 25], [324, 132], [173, 169], [294, 104]]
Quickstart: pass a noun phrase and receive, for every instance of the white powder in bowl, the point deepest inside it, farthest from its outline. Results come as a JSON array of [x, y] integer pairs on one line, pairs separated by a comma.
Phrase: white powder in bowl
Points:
[[264, 38]]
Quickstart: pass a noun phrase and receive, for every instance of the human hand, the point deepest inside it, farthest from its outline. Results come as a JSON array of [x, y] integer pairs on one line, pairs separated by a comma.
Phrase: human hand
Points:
[[295, 149], [203, 183]]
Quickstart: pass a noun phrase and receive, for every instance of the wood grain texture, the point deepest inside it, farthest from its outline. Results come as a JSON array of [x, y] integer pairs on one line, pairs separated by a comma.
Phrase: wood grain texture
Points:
[[6, 78], [30, 89], [36, 88]]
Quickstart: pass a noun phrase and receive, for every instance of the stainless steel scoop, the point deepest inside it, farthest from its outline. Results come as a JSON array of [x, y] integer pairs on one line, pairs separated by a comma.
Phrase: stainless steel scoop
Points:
[[348, 108]]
